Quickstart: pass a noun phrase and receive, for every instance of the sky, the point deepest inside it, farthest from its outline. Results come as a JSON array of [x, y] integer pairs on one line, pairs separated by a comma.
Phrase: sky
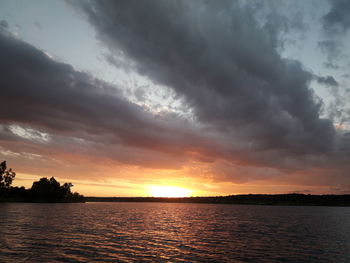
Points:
[[206, 97]]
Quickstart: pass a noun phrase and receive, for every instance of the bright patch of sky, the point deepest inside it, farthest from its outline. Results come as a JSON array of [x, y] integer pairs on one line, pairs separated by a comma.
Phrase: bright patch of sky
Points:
[[30, 134]]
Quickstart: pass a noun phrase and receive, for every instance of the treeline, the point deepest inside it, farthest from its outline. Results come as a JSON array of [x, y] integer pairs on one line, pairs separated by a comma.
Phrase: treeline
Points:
[[44, 190], [249, 199]]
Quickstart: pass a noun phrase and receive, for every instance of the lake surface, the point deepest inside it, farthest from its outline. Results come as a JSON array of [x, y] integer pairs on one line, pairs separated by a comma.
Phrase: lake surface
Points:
[[170, 232]]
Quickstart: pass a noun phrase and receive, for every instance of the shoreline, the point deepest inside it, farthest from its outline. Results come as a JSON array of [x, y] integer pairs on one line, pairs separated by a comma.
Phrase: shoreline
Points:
[[249, 199]]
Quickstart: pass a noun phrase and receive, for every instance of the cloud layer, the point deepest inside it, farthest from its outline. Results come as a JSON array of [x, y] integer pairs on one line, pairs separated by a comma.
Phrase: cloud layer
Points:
[[226, 66], [255, 117], [60, 101]]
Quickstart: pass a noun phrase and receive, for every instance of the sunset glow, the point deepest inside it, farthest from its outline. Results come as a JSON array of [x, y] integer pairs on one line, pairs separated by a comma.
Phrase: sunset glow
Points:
[[168, 191]]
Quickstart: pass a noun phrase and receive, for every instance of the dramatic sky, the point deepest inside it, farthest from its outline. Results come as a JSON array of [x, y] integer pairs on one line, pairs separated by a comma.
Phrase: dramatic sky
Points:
[[217, 97]]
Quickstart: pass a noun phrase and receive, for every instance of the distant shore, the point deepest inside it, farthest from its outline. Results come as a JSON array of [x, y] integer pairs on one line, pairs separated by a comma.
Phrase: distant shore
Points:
[[21, 200], [249, 199]]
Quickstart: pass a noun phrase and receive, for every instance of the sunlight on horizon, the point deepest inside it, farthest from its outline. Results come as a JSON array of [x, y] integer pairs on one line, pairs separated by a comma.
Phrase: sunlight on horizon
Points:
[[168, 191]]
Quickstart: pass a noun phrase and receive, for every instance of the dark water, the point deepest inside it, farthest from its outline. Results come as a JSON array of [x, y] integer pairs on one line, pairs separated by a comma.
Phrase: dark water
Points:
[[161, 232]]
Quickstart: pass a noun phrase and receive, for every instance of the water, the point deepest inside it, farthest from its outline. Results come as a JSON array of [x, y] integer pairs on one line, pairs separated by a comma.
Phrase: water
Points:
[[165, 232]]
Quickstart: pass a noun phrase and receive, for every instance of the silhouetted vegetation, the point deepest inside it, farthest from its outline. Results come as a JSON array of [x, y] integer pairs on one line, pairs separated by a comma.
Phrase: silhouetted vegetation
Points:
[[6, 176], [250, 199], [49, 190], [44, 190]]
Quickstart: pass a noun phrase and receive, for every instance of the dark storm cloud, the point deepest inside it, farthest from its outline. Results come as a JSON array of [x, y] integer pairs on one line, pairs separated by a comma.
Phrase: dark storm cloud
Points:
[[224, 64], [38, 92], [337, 20]]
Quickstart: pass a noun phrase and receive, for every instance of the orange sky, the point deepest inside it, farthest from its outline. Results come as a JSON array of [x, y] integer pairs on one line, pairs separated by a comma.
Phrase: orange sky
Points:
[[122, 180]]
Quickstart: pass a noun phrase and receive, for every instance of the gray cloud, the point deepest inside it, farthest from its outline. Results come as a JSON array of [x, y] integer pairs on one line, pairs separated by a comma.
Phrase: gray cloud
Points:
[[140, 94], [331, 47], [38, 92], [328, 81], [333, 50], [3, 24], [336, 23], [337, 20], [224, 64]]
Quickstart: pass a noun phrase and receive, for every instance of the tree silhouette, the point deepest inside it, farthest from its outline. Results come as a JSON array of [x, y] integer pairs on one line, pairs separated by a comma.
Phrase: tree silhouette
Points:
[[6, 176], [50, 190], [44, 190], [65, 188]]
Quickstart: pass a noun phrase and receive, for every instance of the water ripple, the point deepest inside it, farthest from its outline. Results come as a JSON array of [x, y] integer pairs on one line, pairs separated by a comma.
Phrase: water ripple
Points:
[[160, 232]]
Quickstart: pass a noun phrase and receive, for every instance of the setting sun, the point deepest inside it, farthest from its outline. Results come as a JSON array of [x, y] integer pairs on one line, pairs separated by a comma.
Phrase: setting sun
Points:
[[168, 191]]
